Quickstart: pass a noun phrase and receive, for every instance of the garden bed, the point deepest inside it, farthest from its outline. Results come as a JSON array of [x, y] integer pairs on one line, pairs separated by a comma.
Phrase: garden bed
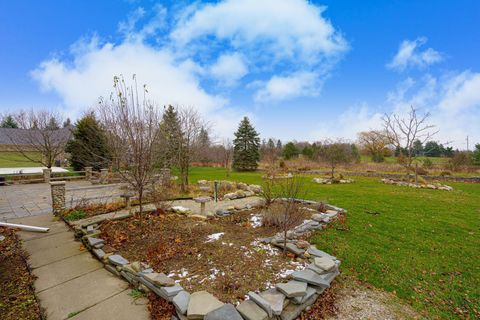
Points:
[[17, 298], [224, 256]]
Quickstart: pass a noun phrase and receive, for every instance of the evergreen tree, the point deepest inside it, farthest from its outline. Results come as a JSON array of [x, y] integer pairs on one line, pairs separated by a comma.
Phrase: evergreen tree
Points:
[[307, 151], [246, 147], [417, 148], [271, 144], [279, 145], [290, 151], [89, 146], [9, 122], [170, 137], [476, 155], [53, 124], [67, 123]]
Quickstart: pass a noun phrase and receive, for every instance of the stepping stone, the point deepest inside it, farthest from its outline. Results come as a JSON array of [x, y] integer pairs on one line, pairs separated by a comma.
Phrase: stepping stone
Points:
[[310, 277], [95, 242], [117, 260], [293, 288], [262, 303], [159, 279], [227, 311], [180, 301], [324, 263], [310, 292], [251, 311], [201, 303], [276, 300]]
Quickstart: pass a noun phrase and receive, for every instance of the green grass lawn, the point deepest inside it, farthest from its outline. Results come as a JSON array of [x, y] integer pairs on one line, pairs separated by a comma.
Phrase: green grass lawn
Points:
[[11, 159], [424, 246]]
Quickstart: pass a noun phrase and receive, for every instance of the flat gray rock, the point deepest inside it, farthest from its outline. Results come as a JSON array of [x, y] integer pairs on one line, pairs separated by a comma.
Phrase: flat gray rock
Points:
[[95, 242], [117, 260], [313, 267], [170, 292], [319, 253], [99, 253], [251, 311], [159, 279], [276, 300], [227, 311], [112, 269], [293, 288], [292, 311], [261, 302], [180, 301], [310, 292], [201, 303], [324, 263], [310, 277], [328, 277]]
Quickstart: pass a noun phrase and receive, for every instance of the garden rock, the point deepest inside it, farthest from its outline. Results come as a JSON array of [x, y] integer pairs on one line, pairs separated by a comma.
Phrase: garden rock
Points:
[[318, 253], [292, 288], [112, 270], [302, 244], [180, 301], [328, 277], [262, 303], [292, 311], [310, 292], [324, 263], [170, 292], [319, 217], [251, 311], [99, 253], [276, 300], [117, 260], [95, 242], [201, 303], [310, 277], [227, 311]]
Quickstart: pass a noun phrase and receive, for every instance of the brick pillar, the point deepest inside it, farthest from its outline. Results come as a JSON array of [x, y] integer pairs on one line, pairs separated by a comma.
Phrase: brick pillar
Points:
[[58, 196], [88, 173], [103, 176], [47, 174]]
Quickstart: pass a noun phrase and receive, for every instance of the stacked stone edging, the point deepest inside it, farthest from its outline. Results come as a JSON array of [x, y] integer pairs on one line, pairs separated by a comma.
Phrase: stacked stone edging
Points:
[[285, 301], [434, 186], [475, 179]]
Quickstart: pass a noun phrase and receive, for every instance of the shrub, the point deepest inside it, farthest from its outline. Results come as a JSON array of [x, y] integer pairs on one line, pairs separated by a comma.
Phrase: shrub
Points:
[[274, 216], [75, 215], [445, 173], [378, 158], [427, 163]]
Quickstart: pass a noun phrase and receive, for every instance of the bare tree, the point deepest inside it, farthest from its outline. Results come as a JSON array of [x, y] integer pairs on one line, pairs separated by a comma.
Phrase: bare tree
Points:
[[335, 153], [191, 127], [36, 133], [227, 155], [132, 124], [402, 132]]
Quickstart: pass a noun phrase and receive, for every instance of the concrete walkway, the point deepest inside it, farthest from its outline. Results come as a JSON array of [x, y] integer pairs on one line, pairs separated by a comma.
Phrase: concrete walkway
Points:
[[70, 282]]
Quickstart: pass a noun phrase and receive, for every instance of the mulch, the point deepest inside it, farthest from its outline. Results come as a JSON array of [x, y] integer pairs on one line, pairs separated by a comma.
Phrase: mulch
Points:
[[17, 298]]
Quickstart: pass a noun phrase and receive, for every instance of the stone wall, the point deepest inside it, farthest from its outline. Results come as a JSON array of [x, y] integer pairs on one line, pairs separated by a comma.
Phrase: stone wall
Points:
[[58, 196]]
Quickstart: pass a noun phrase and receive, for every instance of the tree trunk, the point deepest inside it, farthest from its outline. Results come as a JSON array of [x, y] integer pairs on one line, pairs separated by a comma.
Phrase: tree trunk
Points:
[[140, 202]]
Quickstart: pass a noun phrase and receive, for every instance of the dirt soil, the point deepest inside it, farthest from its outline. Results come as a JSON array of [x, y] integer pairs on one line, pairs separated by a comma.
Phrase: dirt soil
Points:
[[222, 256], [17, 299]]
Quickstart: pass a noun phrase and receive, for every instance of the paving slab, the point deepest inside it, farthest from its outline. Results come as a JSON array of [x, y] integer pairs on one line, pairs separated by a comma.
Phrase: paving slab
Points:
[[80, 293], [119, 307], [58, 272], [49, 242], [40, 258], [46, 221]]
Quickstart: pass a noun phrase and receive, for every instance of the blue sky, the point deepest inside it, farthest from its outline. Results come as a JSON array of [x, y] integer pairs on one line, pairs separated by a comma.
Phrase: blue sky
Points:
[[301, 70]]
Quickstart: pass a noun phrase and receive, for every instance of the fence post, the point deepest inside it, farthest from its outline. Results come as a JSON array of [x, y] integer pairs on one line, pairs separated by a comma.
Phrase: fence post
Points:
[[103, 176], [47, 174], [58, 196], [88, 173]]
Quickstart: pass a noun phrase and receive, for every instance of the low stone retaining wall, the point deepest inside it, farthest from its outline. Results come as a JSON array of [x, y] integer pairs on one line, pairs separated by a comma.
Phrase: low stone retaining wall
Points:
[[435, 186], [399, 176], [285, 301]]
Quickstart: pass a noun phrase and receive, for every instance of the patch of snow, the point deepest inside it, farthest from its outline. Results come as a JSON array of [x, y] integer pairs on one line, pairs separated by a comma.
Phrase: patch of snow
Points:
[[180, 209], [259, 245], [256, 221], [214, 236]]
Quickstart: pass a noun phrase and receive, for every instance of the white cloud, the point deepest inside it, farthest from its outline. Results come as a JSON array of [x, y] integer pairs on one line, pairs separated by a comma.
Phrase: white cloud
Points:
[[410, 55], [288, 28], [288, 87], [229, 68], [90, 75], [452, 100]]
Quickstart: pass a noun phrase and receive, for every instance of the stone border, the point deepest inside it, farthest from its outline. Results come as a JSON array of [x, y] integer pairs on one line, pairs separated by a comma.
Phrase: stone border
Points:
[[332, 181], [434, 186], [286, 300]]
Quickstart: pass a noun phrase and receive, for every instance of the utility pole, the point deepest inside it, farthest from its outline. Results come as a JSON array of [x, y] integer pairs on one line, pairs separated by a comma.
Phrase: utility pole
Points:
[[468, 149]]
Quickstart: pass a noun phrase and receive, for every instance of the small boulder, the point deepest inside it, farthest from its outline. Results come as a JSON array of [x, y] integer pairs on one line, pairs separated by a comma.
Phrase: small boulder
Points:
[[159, 279], [201, 303]]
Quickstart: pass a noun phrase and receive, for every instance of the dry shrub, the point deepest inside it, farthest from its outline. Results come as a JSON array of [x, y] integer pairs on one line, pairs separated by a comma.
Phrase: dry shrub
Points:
[[274, 216], [162, 195]]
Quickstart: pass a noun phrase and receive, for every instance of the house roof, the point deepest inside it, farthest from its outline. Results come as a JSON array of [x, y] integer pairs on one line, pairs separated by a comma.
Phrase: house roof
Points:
[[25, 137]]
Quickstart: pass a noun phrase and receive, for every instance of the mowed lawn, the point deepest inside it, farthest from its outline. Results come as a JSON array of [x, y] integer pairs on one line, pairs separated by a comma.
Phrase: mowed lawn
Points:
[[11, 159], [424, 246]]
